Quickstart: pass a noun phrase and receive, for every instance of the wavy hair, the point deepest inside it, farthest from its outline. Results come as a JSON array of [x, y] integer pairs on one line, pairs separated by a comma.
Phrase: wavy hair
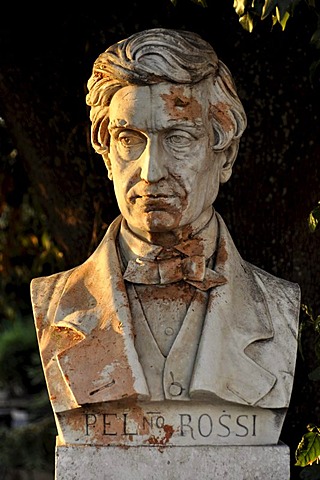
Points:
[[163, 55]]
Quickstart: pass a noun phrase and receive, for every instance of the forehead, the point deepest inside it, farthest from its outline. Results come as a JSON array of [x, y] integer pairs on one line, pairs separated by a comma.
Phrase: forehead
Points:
[[159, 104]]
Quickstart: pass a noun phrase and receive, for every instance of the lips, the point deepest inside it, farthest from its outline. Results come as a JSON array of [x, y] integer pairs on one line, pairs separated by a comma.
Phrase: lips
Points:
[[151, 197], [154, 199], [155, 196], [155, 202]]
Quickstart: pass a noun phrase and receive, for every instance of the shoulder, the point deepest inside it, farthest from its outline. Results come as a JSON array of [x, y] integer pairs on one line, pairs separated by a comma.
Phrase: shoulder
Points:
[[45, 294], [42, 288], [275, 285], [46, 291], [282, 296]]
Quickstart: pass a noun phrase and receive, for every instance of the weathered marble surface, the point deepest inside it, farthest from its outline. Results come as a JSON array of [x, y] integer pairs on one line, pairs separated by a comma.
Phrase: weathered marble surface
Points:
[[152, 463], [169, 423], [165, 316]]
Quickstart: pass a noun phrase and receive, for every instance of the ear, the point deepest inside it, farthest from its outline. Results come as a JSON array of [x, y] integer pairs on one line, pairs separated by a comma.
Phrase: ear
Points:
[[107, 163], [230, 155]]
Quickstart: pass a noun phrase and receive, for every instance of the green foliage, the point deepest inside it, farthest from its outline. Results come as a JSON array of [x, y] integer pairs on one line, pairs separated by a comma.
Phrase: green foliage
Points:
[[308, 450], [313, 322], [314, 216], [34, 444], [20, 367], [252, 11], [26, 251]]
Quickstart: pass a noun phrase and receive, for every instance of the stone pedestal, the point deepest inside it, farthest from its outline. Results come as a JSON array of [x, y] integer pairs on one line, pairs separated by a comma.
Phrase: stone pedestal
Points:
[[173, 463]]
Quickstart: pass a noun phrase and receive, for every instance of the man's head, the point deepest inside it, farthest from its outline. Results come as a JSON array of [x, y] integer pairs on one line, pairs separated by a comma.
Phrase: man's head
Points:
[[167, 120]]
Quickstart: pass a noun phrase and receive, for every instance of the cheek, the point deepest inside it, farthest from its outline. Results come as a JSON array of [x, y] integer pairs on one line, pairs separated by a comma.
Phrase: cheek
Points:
[[194, 177], [125, 175], [193, 162]]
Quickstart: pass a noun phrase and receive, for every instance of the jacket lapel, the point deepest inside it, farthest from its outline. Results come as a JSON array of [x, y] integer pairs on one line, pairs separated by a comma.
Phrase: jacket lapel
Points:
[[237, 316], [100, 364]]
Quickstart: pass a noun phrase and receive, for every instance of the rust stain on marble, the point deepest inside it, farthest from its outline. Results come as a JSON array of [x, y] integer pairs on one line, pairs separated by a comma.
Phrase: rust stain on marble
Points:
[[179, 106], [222, 254], [168, 432], [220, 111], [178, 290]]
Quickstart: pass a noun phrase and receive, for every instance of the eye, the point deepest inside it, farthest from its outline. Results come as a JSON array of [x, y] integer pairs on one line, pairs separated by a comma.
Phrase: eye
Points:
[[130, 139], [129, 144], [179, 139]]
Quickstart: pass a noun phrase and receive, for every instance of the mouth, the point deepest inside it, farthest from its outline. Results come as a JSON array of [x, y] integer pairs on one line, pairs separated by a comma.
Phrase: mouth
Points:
[[155, 202], [151, 197]]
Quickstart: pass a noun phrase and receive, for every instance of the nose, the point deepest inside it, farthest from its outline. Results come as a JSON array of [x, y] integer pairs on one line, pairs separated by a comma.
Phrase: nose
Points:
[[153, 162]]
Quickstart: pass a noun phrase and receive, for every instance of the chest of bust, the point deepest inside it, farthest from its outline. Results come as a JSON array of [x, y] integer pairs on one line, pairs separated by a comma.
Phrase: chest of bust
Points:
[[167, 330]]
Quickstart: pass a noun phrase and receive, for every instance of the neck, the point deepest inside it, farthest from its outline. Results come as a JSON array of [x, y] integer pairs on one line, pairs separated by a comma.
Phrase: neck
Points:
[[133, 246]]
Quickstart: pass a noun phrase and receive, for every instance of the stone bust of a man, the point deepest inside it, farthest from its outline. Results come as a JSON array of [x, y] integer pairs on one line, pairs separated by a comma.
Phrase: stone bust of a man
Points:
[[166, 309]]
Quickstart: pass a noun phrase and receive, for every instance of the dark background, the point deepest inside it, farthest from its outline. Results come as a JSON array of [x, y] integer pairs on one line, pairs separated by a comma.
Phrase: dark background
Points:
[[56, 201]]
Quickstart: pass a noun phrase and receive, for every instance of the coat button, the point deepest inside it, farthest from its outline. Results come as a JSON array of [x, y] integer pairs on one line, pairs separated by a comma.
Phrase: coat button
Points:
[[175, 389], [168, 331]]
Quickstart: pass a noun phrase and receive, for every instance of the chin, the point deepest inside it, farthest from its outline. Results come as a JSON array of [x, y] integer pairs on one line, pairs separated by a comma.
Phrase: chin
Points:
[[160, 221]]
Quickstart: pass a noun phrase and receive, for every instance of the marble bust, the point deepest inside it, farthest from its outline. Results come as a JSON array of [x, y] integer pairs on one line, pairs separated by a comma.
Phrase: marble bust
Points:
[[166, 310]]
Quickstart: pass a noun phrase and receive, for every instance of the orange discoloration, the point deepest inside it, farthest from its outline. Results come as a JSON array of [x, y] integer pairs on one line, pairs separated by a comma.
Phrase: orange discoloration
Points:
[[168, 432], [179, 106], [106, 423], [40, 316], [222, 255], [220, 111], [120, 286], [173, 291]]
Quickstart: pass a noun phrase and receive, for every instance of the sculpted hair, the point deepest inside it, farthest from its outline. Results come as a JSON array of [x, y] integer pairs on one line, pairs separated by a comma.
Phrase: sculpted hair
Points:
[[163, 55]]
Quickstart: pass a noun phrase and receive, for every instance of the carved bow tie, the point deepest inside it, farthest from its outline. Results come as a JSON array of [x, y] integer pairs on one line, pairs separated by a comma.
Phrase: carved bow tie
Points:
[[161, 272]]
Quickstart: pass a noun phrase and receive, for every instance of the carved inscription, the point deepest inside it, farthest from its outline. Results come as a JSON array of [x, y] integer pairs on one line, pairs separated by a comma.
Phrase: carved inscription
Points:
[[186, 425], [165, 424]]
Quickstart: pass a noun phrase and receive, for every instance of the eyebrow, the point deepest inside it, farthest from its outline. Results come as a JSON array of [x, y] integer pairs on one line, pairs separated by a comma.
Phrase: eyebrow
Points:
[[186, 123], [199, 125]]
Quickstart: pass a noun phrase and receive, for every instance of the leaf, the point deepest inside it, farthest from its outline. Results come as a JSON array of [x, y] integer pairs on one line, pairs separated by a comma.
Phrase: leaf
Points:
[[246, 22], [284, 6], [282, 19], [308, 311], [311, 427], [314, 218], [308, 450], [274, 20], [269, 6], [240, 6], [315, 374]]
